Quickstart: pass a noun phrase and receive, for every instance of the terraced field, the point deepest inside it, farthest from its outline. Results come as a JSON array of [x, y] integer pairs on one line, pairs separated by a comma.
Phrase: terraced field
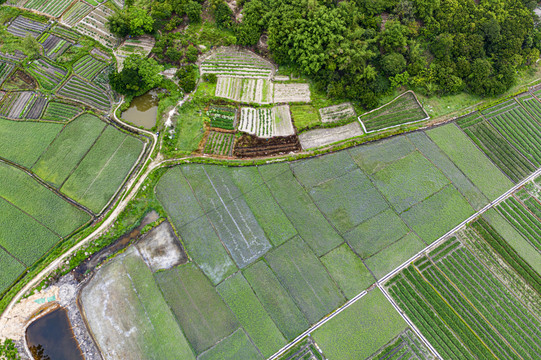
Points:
[[87, 93]]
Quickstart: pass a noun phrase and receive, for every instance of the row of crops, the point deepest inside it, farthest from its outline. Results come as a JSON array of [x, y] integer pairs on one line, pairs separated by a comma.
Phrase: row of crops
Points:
[[85, 92], [463, 309], [88, 67], [47, 74], [51, 8], [509, 133], [219, 143], [22, 26], [404, 109], [53, 46], [222, 118]]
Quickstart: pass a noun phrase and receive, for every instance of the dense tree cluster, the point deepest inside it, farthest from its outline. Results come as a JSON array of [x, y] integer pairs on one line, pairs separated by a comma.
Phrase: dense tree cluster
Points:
[[362, 48], [138, 75]]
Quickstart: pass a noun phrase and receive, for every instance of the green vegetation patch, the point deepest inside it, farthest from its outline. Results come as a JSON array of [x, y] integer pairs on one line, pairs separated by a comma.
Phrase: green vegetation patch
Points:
[[205, 248], [438, 214], [49, 209], [11, 269], [374, 157], [473, 163], [189, 128], [376, 233], [394, 255], [433, 153], [361, 329], [57, 111], [24, 142], [304, 215], [317, 170], [348, 270], [305, 278], [103, 170], [251, 314], [22, 236], [349, 200], [168, 340], [275, 299], [67, 150], [200, 311], [236, 347], [304, 116], [409, 180]]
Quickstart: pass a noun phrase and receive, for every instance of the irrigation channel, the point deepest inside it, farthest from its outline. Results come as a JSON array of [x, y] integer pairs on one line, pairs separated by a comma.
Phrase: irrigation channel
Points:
[[51, 337], [143, 110]]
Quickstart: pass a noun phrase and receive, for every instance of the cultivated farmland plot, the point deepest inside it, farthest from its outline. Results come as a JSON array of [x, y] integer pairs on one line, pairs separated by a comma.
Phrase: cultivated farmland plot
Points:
[[57, 111], [140, 45], [13, 57], [22, 26], [405, 109], [76, 13], [5, 70], [93, 25], [323, 137], [88, 67], [219, 143], [259, 91], [36, 108], [87, 93], [65, 33], [476, 315], [337, 113], [47, 74], [266, 122], [15, 104], [51, 8], [288, 93], [228, 61], [53, 46]]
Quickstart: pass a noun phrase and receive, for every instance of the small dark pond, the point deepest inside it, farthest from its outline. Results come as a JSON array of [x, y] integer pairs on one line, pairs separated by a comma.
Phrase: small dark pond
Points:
[[143, 110], [51, 338]]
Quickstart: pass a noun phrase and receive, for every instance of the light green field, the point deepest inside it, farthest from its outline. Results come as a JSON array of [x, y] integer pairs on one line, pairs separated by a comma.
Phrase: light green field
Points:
[[361, 329], [394, 255], [236, 347], [103, 170], [190, 128], [36, 200], [348, 200], [168, 340], [275, 299], [70, 146], [374, 157], [22, 236], [347, 270], [304, 116], [427, 147], [305, 278], [438, 214], [23, 142], [473, 163], [11, 269], [317, 170], [376, 233], [304, 215], [409, 180], [199, 310], [251, 314]]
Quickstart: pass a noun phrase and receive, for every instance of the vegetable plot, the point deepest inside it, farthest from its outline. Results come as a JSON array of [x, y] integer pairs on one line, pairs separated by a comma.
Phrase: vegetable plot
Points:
[[219, 143], [88, 67], [52, 8], [238, 63], [404, 109], [266, 122], [22, 26], [85, 92]]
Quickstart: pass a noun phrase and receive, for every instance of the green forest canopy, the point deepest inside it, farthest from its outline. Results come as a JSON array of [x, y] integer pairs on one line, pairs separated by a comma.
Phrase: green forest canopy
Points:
[[362, 49]]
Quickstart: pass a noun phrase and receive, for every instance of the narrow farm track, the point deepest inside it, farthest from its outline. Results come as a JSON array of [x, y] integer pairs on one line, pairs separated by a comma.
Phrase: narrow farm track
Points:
[[380, 283]]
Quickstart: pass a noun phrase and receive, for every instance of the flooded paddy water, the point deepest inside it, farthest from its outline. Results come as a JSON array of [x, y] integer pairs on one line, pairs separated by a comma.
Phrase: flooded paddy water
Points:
[[143, 110], [51, 337]]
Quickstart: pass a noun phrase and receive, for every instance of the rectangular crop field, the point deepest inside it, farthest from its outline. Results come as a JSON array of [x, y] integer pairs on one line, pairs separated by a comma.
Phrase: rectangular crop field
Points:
[[23, 26], [58, 111], [241, 299], [47, 74], [103, 169], [199, 310], [236, 347], [85, 92], [88, 67], [473, 163], [24, 142], [305, 278], [52, 8], [76, 13], [11, 269], [404, 109], [49, 209], [219, 143], [68, 149], [361, 329]]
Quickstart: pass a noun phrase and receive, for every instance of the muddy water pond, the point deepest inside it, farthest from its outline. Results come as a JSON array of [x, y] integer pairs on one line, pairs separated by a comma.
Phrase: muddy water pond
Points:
[[51, 338], [143, 110]]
